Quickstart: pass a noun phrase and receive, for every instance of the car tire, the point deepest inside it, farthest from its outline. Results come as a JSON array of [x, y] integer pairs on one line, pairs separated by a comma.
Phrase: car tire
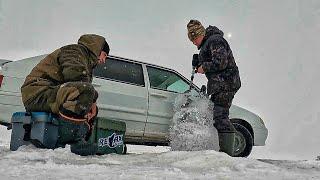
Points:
[[243, 141]]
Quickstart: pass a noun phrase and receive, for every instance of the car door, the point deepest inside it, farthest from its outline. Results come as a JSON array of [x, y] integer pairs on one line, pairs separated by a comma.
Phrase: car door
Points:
[[123, 95], [165, 85]]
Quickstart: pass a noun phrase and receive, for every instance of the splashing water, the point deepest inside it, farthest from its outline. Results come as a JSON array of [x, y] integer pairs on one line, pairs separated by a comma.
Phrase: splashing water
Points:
[[192, 125]]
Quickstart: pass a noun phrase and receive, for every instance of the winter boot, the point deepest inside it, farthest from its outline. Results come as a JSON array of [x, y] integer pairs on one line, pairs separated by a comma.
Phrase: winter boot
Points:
[[71, 129], [226, 142], [84, 148]]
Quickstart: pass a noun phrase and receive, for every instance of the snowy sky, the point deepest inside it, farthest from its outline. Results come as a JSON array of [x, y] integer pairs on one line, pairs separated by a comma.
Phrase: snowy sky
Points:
[[275, 44]]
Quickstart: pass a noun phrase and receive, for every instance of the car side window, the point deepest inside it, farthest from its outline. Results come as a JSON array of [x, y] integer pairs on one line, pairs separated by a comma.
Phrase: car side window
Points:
[[119, 70], [166, 80]]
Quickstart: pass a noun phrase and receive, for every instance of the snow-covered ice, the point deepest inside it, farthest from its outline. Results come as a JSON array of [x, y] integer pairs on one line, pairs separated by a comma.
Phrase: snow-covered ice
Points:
[[144, 162]]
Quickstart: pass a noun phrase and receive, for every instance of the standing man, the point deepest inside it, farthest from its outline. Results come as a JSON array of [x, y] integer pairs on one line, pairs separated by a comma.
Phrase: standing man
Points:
[[61, 84], [216, 61]]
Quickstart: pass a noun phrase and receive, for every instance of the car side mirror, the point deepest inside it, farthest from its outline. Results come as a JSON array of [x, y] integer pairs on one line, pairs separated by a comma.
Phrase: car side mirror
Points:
[[203, 89]]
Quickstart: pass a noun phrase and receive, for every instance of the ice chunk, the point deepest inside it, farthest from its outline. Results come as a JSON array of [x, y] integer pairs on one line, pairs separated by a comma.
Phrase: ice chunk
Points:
[[192, 125]]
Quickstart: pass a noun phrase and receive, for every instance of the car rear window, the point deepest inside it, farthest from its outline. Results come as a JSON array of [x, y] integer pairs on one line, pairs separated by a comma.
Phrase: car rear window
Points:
[[122, 71]]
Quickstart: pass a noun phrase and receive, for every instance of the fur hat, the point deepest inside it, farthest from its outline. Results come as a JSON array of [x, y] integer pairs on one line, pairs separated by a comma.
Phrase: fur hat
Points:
[[195, 29]]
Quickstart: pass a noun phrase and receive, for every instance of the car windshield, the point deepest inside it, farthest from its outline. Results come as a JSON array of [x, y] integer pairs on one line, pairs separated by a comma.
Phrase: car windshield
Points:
[[166, 80]]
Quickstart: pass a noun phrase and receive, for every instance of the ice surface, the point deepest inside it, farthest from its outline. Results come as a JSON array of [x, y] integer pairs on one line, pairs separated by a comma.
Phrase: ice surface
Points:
[[144, 162]]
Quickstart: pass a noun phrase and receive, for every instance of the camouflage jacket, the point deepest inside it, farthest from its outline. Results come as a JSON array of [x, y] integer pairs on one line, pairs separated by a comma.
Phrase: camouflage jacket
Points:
[[73, 62], [218, 62]]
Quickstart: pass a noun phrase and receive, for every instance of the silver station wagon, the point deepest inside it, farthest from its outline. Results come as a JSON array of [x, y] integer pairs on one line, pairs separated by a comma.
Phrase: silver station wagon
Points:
[[138, 93]]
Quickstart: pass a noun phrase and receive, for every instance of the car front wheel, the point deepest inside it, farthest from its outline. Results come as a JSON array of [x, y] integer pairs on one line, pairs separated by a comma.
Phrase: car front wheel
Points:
[[243, 141]]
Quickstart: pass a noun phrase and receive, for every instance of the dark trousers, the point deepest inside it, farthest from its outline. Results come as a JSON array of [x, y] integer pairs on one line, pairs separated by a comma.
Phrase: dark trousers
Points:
[[222, 103]]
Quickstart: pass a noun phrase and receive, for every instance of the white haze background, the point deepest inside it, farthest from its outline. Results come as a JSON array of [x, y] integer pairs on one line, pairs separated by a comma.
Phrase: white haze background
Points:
[[275, 44]]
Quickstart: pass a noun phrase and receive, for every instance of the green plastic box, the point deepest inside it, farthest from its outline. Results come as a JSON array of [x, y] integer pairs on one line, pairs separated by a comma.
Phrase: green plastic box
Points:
[[107, 137]]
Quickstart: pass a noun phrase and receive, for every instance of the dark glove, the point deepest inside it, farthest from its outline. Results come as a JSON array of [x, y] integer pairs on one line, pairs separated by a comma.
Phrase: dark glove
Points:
[[195, 61]]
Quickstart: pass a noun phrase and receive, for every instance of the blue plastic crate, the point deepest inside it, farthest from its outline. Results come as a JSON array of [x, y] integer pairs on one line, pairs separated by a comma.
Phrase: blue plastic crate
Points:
[[39, 127], [21, 127], [44, 129]]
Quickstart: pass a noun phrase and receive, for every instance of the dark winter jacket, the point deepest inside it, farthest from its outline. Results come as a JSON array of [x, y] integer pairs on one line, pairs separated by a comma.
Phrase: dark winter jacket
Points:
[[70, 63], [218, 62]]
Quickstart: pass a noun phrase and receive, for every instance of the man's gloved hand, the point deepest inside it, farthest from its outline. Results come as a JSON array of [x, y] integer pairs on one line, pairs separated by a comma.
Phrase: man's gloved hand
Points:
[[195, 60]]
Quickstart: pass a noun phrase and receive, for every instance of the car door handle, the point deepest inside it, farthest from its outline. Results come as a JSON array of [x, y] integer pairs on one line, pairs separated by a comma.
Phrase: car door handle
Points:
[[96, 85], [158, 95]]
